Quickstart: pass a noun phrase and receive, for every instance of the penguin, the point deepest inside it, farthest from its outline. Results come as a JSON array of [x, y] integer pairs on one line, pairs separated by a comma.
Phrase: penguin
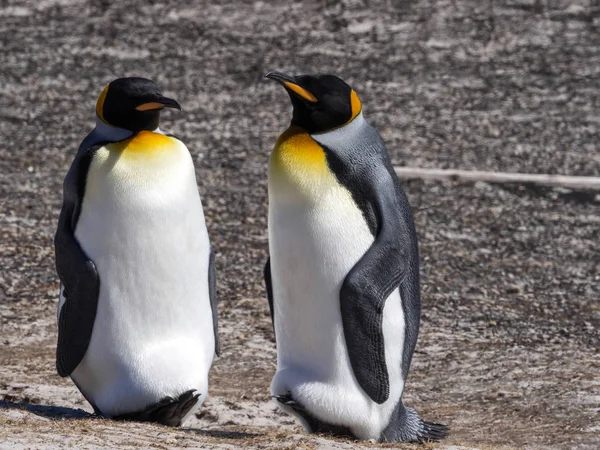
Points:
[[137, 313], [343, 270]]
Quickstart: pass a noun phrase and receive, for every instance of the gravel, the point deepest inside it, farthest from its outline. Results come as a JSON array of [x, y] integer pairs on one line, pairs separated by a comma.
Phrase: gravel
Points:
[[508, 353]]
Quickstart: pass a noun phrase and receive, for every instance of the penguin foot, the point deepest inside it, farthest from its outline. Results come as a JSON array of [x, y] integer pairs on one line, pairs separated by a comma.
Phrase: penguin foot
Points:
[[311, 423], [168, 411]]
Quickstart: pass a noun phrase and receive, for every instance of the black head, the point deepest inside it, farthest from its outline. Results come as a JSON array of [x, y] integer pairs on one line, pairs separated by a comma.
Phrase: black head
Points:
[[321, 102], [133, 104]]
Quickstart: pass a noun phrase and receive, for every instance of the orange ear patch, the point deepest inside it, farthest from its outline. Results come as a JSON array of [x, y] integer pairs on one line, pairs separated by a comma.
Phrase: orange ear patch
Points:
[[100, 103], [300, 91], [355, 103]]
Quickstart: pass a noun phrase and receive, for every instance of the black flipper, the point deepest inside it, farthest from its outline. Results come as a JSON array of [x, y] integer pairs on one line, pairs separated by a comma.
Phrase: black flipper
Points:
[[269, 286], [212, 290], [362, 299], [314, 424], [76, 271], [169, 411], [390, 263]]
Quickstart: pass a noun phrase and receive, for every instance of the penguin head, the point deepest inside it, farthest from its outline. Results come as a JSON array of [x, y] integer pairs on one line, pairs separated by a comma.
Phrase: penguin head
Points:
[[133, 104], [321, 102]]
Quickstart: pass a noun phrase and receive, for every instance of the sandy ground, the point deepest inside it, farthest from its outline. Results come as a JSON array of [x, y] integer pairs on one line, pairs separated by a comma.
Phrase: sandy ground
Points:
[[508, 354]]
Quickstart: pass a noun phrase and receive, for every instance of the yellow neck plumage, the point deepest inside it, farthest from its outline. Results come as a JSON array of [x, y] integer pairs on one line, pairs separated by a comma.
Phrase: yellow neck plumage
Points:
[[298, 166], [297, 153], [143, 144]]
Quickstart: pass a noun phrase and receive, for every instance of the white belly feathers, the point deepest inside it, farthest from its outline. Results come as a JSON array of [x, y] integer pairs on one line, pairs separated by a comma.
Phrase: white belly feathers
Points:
[[142, 224]]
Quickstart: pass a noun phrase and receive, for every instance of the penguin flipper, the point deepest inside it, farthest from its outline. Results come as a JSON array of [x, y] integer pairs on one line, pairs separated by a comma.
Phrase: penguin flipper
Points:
[[269, 286], [212, 290], [77, 272], [380, 271]]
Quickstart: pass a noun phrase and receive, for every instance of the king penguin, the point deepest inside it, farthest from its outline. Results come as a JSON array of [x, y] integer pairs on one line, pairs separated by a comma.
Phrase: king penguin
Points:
[[137, 315], [343, 274]]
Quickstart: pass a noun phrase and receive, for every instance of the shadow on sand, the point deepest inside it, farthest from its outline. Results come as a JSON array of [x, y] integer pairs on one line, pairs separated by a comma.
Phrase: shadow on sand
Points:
[[223, 434], [51, 412], [59, 412]]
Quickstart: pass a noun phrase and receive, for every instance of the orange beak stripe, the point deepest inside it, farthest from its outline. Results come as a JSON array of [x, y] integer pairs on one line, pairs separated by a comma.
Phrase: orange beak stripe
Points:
[[150, 106], [300, 91]]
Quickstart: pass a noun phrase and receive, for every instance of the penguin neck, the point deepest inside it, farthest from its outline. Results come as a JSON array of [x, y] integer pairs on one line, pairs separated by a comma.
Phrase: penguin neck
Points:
[[104, 132], [115, 133], [343, 134]]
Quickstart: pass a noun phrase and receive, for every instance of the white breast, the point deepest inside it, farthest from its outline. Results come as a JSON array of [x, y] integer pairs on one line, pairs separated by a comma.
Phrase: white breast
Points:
[[143, 225], [313, 247]]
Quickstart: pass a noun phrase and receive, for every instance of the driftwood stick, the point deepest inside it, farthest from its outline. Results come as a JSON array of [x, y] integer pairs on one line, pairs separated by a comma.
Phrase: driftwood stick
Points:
[[568, 182]]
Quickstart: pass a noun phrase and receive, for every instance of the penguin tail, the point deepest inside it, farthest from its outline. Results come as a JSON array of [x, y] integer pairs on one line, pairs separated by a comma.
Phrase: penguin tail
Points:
[[432, 432], [423, 431], [407, 426], [168, 411]]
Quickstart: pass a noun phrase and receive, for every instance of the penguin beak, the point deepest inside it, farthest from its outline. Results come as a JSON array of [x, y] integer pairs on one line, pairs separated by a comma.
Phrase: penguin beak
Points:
[[290, 84], [160, 103], [280, 77]]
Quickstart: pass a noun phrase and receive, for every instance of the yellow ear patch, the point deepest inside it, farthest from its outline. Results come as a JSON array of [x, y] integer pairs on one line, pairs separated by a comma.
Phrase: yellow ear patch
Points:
[[100, 103], [355, 103], [300, 91], [150, 106]]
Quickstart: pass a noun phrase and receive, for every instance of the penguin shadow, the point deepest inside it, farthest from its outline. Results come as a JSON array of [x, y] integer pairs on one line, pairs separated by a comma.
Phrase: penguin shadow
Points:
[[61, 413], [223, 434], [48, 411], [113, 159]]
